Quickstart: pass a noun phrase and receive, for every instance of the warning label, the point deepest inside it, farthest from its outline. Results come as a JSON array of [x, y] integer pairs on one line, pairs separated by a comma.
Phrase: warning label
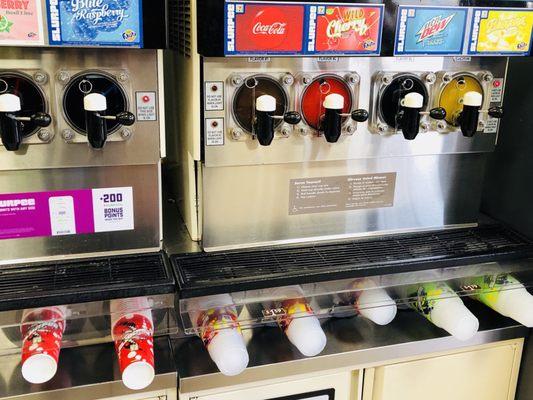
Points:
[[341, 193]]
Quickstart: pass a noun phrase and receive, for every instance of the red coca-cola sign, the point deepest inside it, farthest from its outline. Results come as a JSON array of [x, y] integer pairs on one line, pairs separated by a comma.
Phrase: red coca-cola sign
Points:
[[263, 28]]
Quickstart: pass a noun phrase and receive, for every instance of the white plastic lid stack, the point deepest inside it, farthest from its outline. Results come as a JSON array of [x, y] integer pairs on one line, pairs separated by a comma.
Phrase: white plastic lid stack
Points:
[[94, 102], [9, 103], [228, 351], [376, 305], [138, 375], [307, 335], [39, 368], [265, 103], [451, 314], [473, 99], [413, 100], [516, 304], [334, 101]]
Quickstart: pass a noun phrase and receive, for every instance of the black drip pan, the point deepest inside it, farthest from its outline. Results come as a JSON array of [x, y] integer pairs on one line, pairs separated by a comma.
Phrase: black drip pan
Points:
[[202, 274], [78, 281]]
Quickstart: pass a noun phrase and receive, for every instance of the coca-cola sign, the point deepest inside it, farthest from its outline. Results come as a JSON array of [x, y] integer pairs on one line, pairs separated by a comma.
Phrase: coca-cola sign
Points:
[[265, 28]]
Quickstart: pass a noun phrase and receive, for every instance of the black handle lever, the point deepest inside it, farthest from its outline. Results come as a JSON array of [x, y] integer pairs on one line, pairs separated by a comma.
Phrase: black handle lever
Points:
[[496, 112], [125, 118], [360, 115], [41, 119], [438, 113], [292, 117]]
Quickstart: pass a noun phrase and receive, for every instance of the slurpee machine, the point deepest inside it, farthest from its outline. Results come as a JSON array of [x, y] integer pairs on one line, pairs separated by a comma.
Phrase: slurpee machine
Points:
[[81, 142], [329, 159]]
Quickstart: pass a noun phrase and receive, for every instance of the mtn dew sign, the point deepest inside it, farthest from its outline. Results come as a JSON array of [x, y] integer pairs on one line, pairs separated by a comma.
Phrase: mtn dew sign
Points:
[[95, 22], [21, 22], [430, 30]]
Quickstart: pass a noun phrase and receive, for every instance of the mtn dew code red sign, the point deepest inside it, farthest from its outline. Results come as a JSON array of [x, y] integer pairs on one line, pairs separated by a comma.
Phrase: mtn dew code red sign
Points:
[[264, 28], [430, 30], [95, 22], [344, 29], [21, 23]]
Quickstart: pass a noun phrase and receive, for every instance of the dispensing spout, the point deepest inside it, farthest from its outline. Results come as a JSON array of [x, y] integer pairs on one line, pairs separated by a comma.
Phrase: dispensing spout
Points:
[[408, 118], [11, 123], [263, 124], [331, 123], [469, 116], [95, 105]]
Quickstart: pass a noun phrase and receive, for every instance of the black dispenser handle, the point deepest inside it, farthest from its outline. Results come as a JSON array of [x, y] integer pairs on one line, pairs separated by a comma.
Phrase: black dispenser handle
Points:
[[360, 115], [95, 105], [10, 131], [264, 121]]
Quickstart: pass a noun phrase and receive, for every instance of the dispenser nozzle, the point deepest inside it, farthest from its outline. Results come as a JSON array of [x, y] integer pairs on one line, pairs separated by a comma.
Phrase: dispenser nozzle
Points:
[[263, 124]]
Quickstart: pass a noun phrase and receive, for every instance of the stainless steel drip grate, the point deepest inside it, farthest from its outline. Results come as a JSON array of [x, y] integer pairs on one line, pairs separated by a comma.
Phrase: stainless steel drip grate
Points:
[[208, 273]]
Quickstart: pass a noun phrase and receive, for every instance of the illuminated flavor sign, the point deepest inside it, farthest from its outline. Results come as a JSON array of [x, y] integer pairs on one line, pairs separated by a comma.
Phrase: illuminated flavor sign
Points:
[[501, 31], [430, 30], [343, 29]]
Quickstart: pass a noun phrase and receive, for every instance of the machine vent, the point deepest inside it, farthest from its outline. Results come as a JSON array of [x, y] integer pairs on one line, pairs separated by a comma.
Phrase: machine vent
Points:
[[180, 26], [33, 285], [210, 273]]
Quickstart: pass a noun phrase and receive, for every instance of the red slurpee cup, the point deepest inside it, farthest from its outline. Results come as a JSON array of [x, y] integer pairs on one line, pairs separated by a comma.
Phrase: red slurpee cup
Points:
[[133, 333], [42, 330]]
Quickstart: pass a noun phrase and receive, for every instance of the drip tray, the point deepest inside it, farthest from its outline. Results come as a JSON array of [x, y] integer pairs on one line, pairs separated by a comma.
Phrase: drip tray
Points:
[[79, 281], [201, 274]]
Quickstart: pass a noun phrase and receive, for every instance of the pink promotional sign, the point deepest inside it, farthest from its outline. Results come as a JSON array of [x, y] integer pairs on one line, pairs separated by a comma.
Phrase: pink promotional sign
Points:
[[66, 212], [21, 22]]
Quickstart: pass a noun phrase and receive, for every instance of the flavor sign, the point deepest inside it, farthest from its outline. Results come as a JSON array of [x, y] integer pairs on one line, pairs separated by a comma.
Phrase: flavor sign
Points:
[[21, 22], [264, 28], [343, 29], [270, 28], [430, 30], [501, 31]]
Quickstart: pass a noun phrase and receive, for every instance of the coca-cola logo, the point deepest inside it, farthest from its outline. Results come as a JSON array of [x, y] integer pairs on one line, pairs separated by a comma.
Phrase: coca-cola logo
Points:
[[276, 28]]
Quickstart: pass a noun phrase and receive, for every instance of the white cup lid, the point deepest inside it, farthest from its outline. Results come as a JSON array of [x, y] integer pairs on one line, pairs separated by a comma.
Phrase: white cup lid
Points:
[[39, 368], [334, 101], [265, 103], [413, 100], [138, 375], [9, 103], [474, 99], [228, 352], [95, 102], [307, 335]]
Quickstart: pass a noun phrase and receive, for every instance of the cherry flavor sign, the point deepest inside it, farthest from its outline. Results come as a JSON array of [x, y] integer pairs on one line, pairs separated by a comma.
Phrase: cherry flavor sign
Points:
[[21, 22], [264, 28], [344, 29], [66, 212]]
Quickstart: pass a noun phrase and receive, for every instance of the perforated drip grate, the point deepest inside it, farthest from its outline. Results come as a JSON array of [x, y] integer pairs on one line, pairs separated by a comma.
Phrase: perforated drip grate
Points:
[[84, 280], [209, 273]]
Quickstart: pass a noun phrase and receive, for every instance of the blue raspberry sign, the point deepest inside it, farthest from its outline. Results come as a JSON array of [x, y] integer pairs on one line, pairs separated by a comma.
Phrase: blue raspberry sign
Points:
[[95, 22]]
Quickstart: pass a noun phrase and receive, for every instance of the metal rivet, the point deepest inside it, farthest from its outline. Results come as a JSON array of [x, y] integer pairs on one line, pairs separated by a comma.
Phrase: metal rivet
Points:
[[387, 79], [236, 133], [63, 77], [123, 76], [44, 135], [285, 132], [350, 129], [40, 77], [126, 133], [306, 79], [67, 135], [237, 80], [431, 77], [353, 79], [288, 80]]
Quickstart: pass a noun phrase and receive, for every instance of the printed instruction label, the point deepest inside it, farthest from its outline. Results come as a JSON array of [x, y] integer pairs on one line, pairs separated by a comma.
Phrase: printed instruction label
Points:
[[21, 23], [146, 106], [341, 193], [214, 131], [214, 96], [66, 212], [496, 91], [491, 125]]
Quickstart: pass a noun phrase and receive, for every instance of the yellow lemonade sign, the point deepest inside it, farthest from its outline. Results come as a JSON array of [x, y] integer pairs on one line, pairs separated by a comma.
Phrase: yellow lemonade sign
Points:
[[505, 31]]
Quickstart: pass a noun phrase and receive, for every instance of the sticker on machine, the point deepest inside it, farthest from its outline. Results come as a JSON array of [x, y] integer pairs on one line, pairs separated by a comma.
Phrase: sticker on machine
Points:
[[21, 23], [341, 193], [66, 212]]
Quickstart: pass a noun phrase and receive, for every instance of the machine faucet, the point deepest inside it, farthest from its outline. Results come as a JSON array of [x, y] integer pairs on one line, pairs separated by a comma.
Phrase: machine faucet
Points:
[[469, 116], [263, 125], [331, 123], [95, 106], [408, 119], [11, 123]]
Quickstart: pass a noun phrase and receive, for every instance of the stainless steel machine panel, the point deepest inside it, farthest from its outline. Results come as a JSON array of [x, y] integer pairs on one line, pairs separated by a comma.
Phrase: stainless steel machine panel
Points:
[[362, 140]]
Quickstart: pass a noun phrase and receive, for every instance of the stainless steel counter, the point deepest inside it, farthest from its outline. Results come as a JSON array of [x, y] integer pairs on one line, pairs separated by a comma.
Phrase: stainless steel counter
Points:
[[352, 341], [85, 373]]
